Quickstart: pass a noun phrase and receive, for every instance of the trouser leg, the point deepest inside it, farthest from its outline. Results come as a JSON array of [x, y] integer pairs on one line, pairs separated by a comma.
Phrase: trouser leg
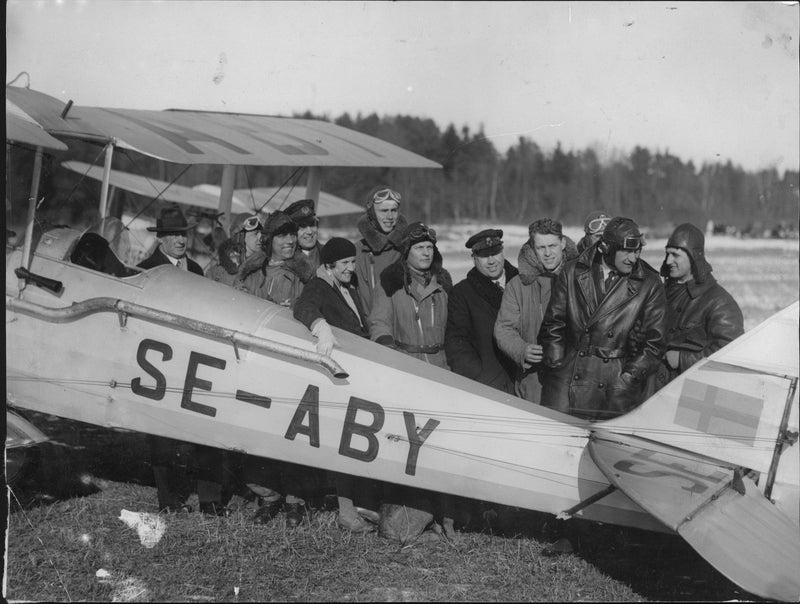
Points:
[[168, 461]]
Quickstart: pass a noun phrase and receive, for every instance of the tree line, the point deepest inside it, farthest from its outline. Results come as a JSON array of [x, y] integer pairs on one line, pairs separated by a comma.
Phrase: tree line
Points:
[[478, 182]]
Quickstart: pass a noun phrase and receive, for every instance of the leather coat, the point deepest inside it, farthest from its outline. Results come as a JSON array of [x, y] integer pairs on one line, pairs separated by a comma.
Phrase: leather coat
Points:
[[591, 343], [702, 317]]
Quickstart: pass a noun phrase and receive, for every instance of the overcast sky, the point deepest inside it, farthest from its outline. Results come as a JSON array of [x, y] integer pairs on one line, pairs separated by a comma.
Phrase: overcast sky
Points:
[[706, 81]]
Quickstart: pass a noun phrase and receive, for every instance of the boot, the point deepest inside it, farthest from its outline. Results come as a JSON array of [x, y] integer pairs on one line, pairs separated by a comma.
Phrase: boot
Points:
[[349, 519]]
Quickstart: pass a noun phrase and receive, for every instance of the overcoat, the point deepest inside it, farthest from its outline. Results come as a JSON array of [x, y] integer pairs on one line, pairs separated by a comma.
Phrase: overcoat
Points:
[[469, 340], [374, 253], [590, 340], [322, 299], [521, 313], [702, 317], [157, 258], [411, 316]]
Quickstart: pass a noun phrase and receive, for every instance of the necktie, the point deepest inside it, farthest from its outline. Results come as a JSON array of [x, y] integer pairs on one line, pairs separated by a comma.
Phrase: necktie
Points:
[[609, 283], [179, 263]]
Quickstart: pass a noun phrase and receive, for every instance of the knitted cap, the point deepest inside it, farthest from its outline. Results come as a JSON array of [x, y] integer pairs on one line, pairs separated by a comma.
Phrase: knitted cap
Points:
[[337, 248]]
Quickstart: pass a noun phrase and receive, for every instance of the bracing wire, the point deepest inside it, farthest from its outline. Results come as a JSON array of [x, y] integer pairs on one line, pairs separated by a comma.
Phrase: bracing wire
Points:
[[296, 174]]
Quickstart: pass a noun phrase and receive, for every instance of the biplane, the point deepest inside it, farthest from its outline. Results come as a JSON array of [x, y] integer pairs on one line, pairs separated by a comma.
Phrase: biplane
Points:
[[713, 456]]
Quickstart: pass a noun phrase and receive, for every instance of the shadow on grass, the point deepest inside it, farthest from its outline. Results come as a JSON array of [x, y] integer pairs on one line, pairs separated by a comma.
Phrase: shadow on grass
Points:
[[659, 566], [75, 457]]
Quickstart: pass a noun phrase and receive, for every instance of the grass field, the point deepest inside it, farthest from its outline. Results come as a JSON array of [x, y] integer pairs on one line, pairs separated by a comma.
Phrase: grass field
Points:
[[64, 529], [64, 524]]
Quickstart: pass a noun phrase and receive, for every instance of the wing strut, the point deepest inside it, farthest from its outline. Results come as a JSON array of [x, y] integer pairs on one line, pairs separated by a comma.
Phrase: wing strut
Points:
[[785, 438], [567, 514]]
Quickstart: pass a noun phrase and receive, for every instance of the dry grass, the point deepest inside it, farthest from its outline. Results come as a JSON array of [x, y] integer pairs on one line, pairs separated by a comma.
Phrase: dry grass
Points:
[[59, 541]]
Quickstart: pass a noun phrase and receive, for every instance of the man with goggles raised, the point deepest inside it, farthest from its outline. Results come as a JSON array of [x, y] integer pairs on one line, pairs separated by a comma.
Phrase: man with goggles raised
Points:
[[381, 229], [604, 329], [244, 242], [593, 228]]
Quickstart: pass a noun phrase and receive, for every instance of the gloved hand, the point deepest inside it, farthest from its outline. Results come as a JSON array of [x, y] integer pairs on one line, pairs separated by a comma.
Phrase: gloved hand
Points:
[[325, 338]]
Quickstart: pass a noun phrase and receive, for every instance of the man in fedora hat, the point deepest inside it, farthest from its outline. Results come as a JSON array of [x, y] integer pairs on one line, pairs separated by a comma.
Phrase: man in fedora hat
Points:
[[206, 463], [171, 228]]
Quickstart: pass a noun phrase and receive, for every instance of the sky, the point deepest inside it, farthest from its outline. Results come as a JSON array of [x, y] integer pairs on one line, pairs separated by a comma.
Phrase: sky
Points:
[[706, 82]]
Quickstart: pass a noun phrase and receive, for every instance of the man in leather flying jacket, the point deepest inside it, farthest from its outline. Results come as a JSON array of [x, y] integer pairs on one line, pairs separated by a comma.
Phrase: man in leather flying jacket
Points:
[[702, 316], [604, 329]]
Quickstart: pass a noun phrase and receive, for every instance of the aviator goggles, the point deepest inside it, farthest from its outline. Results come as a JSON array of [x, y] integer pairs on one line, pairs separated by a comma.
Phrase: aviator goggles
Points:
[[632, 243], [422, 233], [385, 195], [598, 224], [251, 224]]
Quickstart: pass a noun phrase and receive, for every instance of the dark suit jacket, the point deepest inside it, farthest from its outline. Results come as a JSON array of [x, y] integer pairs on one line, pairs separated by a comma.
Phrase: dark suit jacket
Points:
[[158, 258]]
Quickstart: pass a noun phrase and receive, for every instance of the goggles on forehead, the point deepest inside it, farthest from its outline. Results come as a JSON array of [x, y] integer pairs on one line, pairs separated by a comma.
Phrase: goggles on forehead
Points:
[[598, 224], [632, 243], [251, 224], [422, 232], [385, 195]]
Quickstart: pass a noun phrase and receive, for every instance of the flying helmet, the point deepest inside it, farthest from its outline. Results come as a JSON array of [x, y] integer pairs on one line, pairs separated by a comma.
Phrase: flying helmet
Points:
[[691, 240], [621, 234]]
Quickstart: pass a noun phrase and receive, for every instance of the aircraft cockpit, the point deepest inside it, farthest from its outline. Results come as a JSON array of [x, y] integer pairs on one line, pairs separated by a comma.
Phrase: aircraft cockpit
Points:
[[103, 247]]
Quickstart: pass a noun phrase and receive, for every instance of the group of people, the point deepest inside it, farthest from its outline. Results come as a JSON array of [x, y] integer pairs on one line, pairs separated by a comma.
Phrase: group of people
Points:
[[589, 329]]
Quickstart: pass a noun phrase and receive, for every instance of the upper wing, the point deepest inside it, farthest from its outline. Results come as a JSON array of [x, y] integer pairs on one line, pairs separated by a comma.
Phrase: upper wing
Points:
[[720, 513], [22, 128], [203, 137]]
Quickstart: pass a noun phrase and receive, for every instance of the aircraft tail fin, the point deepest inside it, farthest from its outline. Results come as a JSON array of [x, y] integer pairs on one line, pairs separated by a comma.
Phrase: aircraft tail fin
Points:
[[737, 405]]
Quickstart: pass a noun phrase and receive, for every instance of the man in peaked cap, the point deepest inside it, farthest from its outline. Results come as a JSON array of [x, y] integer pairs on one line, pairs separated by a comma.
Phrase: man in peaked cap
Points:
[[171, 228], [702, 316], [302, 214], [603, 332], [472, 308]]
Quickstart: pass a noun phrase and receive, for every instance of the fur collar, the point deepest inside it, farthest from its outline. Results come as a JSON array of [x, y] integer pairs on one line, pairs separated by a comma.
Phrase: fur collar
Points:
[[531, 267], [298, 264], [376, 240], [396, 276], [486, 288]]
